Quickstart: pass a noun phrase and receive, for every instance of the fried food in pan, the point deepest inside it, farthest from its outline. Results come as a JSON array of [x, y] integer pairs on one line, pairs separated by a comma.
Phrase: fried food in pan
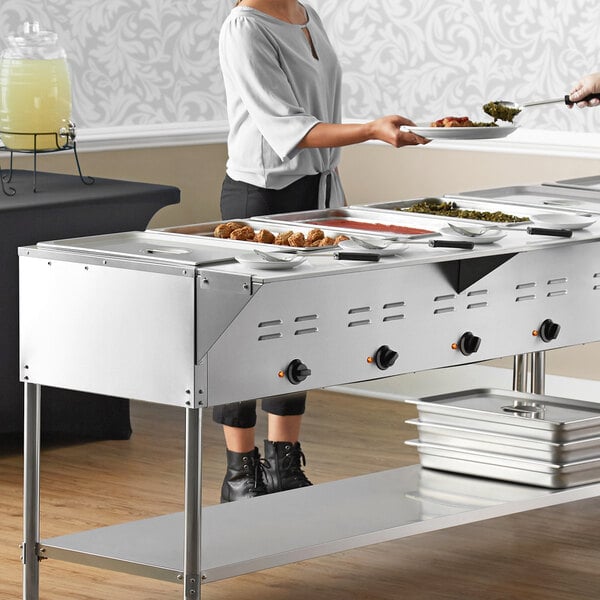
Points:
[[264, 236], [283, 237], [297, 240], [224, 229], [340, 238], [314, 235], [245, 233]]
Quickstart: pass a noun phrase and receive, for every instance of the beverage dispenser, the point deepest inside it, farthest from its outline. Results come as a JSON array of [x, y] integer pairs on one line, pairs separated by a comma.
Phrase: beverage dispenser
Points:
[[35, 92]]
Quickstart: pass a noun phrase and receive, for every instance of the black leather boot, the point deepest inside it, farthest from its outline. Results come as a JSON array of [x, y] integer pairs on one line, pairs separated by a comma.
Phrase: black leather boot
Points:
[[283, 466], [244, 477]]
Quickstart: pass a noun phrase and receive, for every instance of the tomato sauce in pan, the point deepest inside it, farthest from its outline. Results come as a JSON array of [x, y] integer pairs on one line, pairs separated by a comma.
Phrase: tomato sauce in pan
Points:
[[377, 227]]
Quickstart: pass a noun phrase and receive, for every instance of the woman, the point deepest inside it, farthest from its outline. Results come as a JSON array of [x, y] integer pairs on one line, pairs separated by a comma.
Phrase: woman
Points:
[[283, 86]]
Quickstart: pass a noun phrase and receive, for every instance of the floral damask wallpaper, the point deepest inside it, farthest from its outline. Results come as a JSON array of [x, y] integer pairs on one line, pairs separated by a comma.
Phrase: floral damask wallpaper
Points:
[[155, 61]]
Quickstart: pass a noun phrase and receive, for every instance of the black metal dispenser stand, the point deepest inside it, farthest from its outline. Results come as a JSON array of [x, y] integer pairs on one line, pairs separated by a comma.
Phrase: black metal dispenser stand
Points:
[[66, 137]]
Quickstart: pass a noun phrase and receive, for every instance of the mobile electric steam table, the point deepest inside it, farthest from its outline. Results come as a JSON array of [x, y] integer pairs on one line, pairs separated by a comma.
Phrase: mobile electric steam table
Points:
[[167, 317]]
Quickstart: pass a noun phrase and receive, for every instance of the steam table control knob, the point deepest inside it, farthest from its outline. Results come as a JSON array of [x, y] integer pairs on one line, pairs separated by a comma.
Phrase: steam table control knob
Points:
[[385, 357], [468, 343], [549, 330], [297, 371]]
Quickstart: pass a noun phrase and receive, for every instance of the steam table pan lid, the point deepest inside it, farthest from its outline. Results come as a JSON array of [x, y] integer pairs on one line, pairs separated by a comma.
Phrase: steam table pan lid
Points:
[[526, 410]]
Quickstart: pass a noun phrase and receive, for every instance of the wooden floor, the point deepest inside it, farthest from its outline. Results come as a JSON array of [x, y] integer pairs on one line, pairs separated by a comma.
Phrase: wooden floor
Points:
[[549, 554]]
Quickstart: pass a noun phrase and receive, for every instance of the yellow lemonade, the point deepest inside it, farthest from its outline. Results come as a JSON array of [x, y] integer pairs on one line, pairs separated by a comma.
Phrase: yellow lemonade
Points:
[[35, 97]]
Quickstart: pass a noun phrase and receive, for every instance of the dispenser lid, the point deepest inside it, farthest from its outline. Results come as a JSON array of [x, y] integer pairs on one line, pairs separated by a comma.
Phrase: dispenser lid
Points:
[[33, 43]]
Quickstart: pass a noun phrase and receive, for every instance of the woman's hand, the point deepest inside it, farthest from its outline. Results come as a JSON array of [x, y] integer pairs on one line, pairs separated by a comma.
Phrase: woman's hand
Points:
[[387, 129], [590, 84]]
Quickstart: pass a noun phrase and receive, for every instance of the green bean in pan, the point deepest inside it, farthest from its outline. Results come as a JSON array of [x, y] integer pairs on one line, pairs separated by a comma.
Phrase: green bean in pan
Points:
[[434, 206]]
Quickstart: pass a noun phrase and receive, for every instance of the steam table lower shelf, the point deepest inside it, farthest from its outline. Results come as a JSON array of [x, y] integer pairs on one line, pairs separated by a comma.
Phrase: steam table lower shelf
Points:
[[312, 522]]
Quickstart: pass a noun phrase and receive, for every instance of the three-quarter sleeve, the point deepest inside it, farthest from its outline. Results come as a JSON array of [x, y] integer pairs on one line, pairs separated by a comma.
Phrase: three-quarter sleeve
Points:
[[250, 64]]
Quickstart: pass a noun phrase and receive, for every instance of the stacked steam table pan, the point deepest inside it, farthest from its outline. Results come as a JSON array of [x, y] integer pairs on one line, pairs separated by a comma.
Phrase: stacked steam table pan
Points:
[[512, 436]]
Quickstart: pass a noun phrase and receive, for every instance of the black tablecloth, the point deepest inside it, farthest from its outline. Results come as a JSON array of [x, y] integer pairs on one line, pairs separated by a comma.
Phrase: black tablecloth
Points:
[[63, 207]]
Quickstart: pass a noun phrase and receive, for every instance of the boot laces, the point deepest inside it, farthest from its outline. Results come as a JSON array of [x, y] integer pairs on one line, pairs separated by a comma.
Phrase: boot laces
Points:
[[293, 461], [260, 472]]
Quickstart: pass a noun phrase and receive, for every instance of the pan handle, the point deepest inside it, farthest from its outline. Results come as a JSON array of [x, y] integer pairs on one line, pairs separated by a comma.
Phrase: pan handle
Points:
[[529, 410], [451, 244], [567, 233]]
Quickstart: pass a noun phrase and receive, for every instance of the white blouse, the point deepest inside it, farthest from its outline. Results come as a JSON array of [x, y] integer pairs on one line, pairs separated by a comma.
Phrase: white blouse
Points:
[[277, 91]]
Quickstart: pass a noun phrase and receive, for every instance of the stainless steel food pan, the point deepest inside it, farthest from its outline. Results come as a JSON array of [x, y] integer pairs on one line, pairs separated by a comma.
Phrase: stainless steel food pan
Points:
[[206, 230], [505, 468], [540, 196], [513, 413], [462, 203], [580, 183], [318, 218], [482, 441]]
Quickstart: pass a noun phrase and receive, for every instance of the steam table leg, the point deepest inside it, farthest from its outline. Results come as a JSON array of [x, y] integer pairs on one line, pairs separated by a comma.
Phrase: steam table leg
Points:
[[193, 503], [31, 492]]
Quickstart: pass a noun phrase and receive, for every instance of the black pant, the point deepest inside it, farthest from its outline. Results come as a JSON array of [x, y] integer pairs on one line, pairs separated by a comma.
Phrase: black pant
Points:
[[242, 200]]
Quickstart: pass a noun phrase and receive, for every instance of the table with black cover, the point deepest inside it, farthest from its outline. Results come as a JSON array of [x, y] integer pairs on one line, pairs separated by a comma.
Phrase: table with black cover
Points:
[[63, 207]]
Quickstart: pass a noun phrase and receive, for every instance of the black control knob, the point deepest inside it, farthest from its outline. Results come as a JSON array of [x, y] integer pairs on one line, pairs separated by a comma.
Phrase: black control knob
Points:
[[468, 343], [385, 357], [297, 371], [549, 330]]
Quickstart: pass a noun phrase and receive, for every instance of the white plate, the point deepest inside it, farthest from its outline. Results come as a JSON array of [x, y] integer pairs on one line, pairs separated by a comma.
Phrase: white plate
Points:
[[490, 236], [562, 221], [256, 262], [461, 133], [393, 249]]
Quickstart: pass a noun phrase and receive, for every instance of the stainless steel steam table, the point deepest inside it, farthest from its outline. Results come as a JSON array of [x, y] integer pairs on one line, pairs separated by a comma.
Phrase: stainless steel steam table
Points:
[[167, 318]]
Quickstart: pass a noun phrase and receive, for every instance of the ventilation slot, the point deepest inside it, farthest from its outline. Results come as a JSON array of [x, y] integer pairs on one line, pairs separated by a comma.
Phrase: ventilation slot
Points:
[[271, 336], [561, 280], [523, 298], [557, 293], [477, 293], [306, 318], [304, 331], [477, 305], [393, 305], [360, 309], [441, 311], [359, 323], [270, 323], [393, 318], [443, 298], [525, 286]]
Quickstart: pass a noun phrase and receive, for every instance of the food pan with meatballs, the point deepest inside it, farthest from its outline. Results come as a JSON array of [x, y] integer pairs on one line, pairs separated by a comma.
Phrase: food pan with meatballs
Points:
[[315, 238]]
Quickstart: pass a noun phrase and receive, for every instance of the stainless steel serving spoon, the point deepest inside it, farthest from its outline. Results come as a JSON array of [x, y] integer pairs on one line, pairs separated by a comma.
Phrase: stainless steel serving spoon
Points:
[[273, 257], [473, 230], [515, 108]]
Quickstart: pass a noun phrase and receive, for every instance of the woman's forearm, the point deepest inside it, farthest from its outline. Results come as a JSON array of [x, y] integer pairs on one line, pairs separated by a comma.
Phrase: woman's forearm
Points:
[[385, 129]]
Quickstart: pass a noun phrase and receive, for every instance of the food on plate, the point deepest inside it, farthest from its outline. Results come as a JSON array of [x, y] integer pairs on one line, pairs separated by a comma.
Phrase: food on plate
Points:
[[379, 227], [435, 206], [224, 229], [460, 122], [500, 112], [264, 236]]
